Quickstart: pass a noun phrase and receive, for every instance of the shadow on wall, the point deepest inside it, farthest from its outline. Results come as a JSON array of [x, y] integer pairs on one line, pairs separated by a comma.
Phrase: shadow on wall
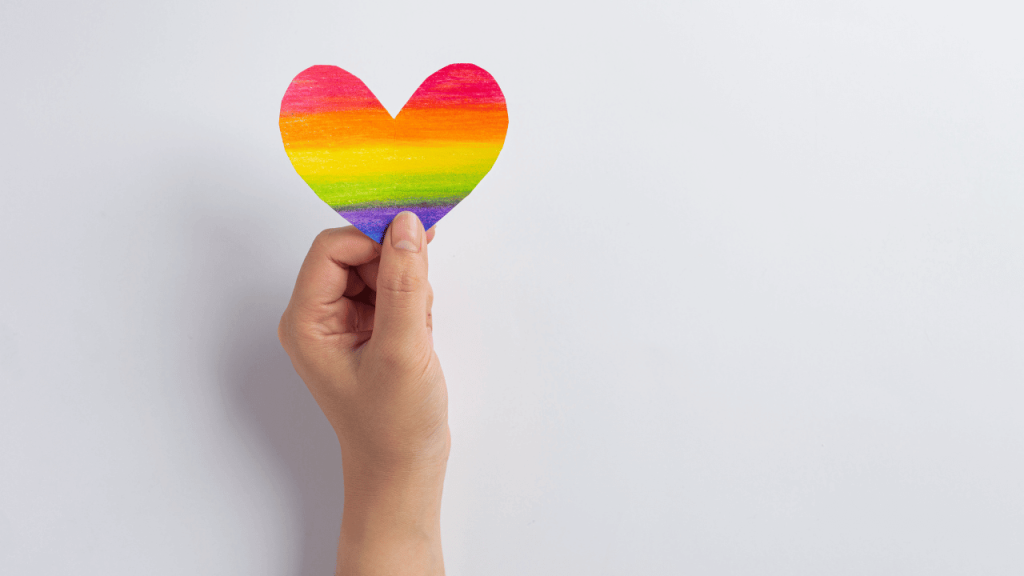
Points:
[[234, 267], [270, 397]]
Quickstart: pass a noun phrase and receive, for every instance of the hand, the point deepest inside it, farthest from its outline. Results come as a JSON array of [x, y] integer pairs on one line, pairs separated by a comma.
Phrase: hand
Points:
[[358, 331]]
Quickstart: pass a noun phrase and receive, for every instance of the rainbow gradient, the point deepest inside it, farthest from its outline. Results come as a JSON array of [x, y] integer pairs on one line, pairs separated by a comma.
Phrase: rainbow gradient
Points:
[[369, 166]]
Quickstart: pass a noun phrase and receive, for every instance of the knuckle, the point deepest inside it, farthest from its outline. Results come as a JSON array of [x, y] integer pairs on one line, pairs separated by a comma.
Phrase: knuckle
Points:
[[283, 334], [322, 239], [400, 282]]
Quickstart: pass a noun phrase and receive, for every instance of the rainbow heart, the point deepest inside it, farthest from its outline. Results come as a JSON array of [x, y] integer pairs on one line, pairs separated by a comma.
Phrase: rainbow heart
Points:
[[369, 166]]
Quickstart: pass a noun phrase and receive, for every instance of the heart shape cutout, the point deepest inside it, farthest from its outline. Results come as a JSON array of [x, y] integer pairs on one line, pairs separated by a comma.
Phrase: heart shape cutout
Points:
[[368, 166]]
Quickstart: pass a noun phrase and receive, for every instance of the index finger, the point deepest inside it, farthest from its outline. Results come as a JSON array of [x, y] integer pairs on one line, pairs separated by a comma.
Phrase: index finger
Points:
[[325, 271]]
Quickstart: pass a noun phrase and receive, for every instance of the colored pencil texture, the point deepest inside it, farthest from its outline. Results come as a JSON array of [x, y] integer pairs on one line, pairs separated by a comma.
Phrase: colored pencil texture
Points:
[[369, 167]]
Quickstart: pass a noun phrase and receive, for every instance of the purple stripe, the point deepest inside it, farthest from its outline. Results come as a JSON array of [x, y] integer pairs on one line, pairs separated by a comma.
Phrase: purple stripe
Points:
[[374, 221]]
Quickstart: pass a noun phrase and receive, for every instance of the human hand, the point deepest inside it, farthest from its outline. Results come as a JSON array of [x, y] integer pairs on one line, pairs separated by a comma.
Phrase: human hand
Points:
[[358, 331]]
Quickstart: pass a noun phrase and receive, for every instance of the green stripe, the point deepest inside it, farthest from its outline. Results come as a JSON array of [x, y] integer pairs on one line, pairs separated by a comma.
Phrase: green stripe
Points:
[[394, 189]]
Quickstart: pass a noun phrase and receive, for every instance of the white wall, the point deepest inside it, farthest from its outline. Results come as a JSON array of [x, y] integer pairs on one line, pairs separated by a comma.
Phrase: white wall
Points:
[[742, 294]]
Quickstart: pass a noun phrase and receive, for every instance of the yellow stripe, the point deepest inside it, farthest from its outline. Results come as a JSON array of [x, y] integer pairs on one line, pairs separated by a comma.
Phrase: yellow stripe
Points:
[[362, 161]]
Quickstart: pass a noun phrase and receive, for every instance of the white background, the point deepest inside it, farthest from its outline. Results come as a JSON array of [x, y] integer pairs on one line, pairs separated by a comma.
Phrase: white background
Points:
[[743, 294]]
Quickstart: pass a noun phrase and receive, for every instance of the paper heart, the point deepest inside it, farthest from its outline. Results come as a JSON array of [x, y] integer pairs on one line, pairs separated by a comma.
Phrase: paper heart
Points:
[[369, 166]]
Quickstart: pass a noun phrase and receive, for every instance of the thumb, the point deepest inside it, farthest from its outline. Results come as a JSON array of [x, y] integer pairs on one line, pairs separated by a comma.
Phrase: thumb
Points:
[[403, 293]]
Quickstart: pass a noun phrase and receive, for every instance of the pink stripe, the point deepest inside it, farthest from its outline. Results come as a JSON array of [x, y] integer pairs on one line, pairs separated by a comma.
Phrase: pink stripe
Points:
[[319, 89], [457, 85]]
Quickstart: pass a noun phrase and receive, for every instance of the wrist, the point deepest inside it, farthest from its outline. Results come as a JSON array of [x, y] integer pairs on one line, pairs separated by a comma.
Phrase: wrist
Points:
[[376, 466], [392, 521]]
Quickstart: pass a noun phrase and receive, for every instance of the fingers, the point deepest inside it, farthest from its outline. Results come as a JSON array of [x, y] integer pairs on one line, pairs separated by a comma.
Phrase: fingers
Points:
[[324, 277], [368, 271], [355, 284], [403, 293], [328, 294], [327, 266]]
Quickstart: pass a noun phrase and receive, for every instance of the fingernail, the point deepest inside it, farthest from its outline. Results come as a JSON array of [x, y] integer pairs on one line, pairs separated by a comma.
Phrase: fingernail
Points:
[[406, 232]]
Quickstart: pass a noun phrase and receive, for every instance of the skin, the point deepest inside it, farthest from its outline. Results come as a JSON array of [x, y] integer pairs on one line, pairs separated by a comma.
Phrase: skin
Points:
[[358, 330]]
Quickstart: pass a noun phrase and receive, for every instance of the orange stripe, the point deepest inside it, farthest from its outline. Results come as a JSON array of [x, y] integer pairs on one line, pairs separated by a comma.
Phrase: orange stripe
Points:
[[375, 127], [329, 129], [486, 124]]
